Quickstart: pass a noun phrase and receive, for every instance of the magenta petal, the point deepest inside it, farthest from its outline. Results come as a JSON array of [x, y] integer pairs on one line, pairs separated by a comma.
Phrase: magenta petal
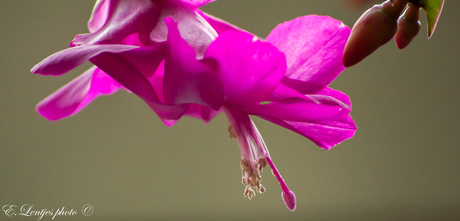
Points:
[[193, 28], [335, 94], [120, 18], [202, 112], [145, 59], [127, 74], [195, 110], [283, 92], [248, 68], [99, 15], [187, 80], [77, 94], [325, 134], [63, 61], [169, 123], [157, 81], [132, 39], [310, 117], [312, 109], [313, 46]]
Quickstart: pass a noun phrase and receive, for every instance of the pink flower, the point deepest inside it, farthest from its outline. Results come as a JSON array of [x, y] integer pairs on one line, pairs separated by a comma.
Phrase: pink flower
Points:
[[241, 73], [189, 63]]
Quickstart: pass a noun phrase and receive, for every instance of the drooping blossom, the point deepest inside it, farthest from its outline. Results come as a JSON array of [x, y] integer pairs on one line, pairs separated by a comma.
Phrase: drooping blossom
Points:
[[290, 70], [283, 79]]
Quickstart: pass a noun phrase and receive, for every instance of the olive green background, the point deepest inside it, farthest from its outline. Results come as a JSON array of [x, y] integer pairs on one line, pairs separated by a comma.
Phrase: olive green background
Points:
[[402, 164]]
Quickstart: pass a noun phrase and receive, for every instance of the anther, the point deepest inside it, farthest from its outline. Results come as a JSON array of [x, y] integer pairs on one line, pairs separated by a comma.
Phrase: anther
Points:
[[261, 189], [231, 133], [244, 180], [249, 192], [262, 163]]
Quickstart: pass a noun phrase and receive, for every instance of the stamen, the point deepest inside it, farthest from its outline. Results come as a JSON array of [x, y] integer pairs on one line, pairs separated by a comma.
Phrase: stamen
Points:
[[252, 178], [261, 189], [244, 180], [262, 163], [231, 133], [249, 192]]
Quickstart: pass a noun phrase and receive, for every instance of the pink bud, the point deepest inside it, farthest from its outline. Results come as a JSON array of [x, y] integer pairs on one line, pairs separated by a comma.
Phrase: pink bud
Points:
[[373, 29], [408, 26]]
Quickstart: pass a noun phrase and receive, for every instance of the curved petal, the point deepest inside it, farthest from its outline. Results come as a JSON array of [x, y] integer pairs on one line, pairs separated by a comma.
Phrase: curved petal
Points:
[[146, 59], [323, 117], [193, 28], [201, 112], [283, 92], [313, 46], [187, 80], [113, 20], [120, 68], [99, 15], [325, 134], [132, 39], [157, 81], [335, 94], [77, 94], [248, 68], [63, 61], [195, 110], [308, 109]]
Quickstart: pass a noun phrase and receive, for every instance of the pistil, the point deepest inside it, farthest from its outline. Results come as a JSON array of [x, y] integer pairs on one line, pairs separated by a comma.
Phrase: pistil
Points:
[[287, 195]]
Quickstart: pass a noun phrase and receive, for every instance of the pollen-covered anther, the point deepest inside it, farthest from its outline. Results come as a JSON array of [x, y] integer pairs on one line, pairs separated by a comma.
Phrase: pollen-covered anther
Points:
[[250, 181], [257, 175], [262, 163], [246, 169], [251, 177], [231, 133], [249, 192], [261, 189], [244, 180]]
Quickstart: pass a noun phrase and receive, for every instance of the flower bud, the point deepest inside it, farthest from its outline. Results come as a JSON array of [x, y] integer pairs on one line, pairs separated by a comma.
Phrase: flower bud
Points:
[[373, 29], [408, 26]]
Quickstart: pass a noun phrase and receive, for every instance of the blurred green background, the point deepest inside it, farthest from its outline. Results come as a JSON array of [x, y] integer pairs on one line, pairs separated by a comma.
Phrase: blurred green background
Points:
[[402, 164]]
